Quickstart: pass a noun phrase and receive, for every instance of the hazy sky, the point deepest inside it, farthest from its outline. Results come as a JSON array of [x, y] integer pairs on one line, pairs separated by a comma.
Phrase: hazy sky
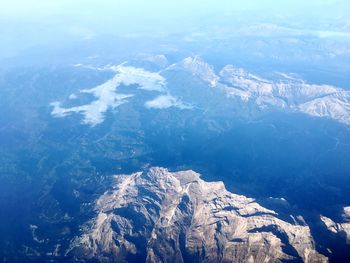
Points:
[[43, 8], [30, 22], [131, 15]]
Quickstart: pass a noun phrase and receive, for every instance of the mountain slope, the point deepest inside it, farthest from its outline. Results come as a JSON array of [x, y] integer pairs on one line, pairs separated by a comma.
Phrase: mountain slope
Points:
[[159, 216], [287, 93]]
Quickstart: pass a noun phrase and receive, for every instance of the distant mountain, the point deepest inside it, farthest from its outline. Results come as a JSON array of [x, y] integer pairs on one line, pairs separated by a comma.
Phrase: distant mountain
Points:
[[161, 216], [342, 228], [285, 93], [199, 68], [288, 93]]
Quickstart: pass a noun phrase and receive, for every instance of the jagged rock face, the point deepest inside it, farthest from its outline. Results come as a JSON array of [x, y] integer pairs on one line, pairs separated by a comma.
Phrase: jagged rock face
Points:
[[295, 94], [339, 228], [288, 93], [198, 68], [159, 216]]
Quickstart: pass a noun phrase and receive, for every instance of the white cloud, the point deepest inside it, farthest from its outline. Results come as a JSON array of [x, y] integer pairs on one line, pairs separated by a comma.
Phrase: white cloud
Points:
[[151, 81], [165, 102], [72, 96], [106, 98], [106, 94]]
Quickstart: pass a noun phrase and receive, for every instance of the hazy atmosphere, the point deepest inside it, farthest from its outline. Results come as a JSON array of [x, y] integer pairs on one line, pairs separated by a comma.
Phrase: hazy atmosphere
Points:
[[60, 22], [174, 131]]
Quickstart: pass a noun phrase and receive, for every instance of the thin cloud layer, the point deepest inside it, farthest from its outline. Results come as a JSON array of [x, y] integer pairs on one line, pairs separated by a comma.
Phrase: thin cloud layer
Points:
[[165, 102], [106, 94]]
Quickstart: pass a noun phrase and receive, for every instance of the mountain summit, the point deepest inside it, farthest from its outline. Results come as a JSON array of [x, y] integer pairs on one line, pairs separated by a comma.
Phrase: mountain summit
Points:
[[160, 216]]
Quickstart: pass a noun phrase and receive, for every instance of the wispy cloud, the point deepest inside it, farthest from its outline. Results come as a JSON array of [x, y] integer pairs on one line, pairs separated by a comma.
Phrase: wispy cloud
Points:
[[165, 102], [106, 94]]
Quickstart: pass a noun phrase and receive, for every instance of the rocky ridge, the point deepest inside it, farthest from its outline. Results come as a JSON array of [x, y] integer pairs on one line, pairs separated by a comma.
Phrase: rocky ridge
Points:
[[287, 93], [160, 216], [342, 228]]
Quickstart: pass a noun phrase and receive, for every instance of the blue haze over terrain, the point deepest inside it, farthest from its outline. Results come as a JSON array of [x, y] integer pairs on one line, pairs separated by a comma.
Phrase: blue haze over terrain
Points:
[[284, 143]]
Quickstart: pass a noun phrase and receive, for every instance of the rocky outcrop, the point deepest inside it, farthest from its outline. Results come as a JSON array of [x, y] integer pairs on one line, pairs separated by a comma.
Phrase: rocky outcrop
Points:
[[341, 228], [288, 93], [159, 216], [198, 67]]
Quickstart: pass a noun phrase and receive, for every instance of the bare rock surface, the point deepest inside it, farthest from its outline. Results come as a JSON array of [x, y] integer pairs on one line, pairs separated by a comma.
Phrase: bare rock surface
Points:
[[342, 228], [161, 216]]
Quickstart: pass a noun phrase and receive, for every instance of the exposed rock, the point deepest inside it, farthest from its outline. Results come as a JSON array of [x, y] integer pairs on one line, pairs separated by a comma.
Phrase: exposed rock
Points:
[[339, 228], [287, 93], [291, 93], [159, 216], [199, 68], [159, 60]]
